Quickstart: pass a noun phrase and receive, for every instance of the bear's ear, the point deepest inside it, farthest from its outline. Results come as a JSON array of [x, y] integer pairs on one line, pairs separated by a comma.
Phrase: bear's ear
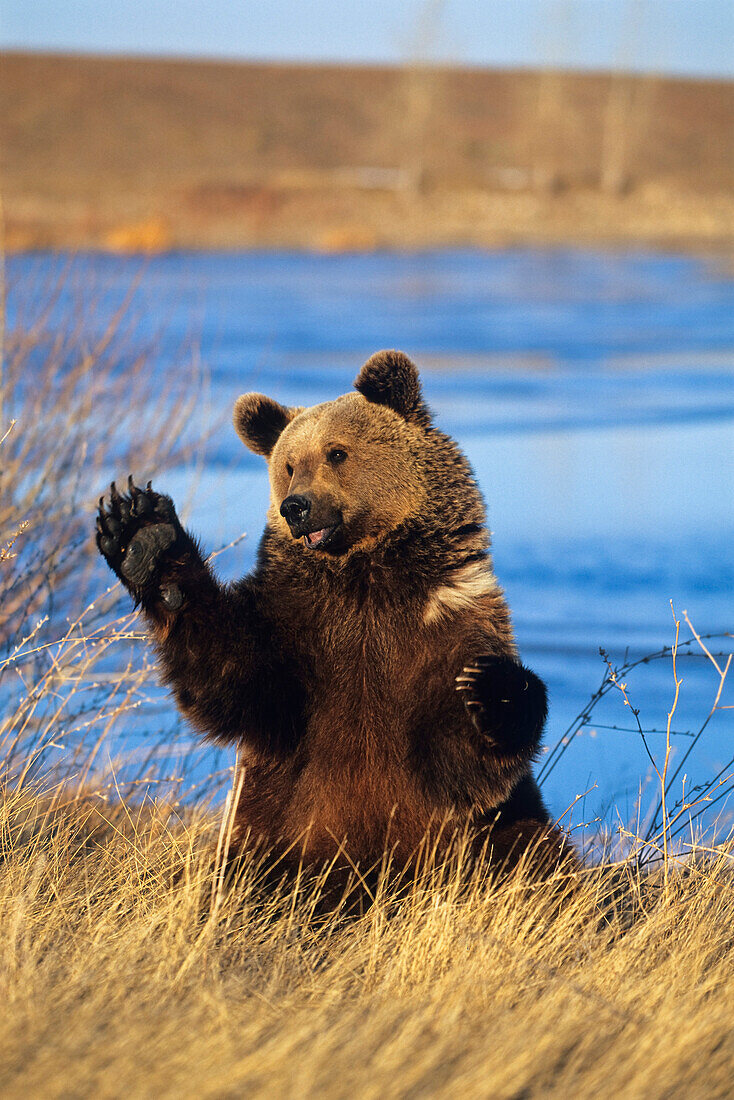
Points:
[[258, 421], [391, 378]]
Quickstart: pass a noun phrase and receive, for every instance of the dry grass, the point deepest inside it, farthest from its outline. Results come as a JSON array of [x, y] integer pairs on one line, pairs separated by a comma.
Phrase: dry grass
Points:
[[119, 977], [128, 968]]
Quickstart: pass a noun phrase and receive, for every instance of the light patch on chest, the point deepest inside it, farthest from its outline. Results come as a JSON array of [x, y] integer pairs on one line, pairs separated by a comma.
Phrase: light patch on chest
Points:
[[468, 585]]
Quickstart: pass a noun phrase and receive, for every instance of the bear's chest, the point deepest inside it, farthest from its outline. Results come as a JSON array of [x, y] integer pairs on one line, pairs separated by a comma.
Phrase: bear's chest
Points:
[[361, 631], [364, 678]]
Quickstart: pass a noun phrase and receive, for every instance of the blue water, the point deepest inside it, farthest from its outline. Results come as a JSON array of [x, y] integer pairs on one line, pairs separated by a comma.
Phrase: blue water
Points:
[[594, 394]]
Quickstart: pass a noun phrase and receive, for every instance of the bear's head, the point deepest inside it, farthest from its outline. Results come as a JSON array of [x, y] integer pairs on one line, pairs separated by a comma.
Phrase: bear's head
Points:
[[345, 474]]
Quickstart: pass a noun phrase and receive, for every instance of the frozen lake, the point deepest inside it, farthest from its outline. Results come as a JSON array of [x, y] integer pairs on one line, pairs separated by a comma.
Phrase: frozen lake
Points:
[[594, 394]]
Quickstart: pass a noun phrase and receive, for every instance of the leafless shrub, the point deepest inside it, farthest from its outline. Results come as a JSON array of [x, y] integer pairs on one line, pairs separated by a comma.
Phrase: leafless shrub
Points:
[[673, 811], [82, 404]]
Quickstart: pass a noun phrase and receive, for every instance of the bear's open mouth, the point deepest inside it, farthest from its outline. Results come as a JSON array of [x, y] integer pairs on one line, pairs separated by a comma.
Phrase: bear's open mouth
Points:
[[317, 539]]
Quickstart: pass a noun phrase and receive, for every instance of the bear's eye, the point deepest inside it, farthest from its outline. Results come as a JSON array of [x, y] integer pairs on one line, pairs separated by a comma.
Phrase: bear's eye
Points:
[[336, 455], [289, 469]]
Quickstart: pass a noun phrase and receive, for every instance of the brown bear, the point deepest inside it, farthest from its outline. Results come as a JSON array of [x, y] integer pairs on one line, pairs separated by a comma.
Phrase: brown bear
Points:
[[366, 668]]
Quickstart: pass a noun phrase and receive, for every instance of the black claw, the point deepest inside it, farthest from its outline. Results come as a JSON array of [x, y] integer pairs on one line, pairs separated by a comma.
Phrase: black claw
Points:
[[149, 486], [114, 495], [131, 485]]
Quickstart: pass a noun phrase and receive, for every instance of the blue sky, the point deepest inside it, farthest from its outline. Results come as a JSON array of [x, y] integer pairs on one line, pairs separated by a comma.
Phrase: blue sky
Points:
[[692, 37]]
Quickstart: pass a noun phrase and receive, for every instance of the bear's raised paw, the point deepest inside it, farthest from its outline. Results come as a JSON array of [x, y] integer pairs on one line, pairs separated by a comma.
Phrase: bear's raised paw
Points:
[[135, 532]]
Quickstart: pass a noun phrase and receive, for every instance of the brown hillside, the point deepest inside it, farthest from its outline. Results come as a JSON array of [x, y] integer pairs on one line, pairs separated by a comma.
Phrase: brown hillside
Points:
[[145, 153]]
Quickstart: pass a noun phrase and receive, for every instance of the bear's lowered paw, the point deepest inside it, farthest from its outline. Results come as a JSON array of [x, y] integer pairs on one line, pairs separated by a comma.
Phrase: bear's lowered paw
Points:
[[505, 701], [135, 533]]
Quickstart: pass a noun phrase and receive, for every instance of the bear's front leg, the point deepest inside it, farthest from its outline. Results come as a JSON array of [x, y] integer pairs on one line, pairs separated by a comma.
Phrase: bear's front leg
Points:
[[216, 649], [507, 705]]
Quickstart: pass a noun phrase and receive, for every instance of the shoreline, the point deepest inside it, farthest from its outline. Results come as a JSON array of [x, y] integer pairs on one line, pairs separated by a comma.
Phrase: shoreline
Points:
[[719, 254], [335, 220]]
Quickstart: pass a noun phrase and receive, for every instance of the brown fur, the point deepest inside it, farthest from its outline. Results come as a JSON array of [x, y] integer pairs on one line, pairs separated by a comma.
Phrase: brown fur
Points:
[[335, 669]]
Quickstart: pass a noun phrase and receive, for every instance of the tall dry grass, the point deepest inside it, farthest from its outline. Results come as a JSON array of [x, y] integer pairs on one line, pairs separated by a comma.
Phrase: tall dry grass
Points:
[[129, 966], [120, 978]]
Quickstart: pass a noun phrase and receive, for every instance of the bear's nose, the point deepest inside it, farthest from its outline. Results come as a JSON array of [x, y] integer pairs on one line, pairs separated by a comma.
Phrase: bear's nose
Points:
[[295, 509]]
